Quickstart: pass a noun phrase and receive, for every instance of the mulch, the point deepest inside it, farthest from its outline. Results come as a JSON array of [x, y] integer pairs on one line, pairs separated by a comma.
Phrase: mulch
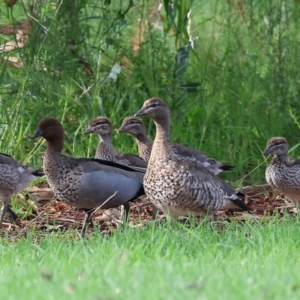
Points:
[[51, 215]]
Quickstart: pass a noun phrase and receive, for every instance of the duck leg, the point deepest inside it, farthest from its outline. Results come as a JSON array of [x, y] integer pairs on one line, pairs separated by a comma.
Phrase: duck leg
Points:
[[13, 216], [4, 210], [125, 208], [87, 220], [154, 212]]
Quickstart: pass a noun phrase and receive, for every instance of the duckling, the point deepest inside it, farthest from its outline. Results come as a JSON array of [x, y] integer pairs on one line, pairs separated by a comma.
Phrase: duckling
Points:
[[105, 150], [14, 177], [135, 127], [283, 173]]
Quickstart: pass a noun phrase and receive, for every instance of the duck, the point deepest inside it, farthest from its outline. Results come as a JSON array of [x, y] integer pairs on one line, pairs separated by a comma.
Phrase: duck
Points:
[[283, 172], [135, 127], [14, 177], [86, 183], [105, 150], [181, 187]]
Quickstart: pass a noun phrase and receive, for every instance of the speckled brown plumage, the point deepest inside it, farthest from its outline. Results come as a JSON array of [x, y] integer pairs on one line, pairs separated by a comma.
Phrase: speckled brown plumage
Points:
[[105, 150], [135, 127], [283, 173], [13, 178], [181, 187], [85, 183]]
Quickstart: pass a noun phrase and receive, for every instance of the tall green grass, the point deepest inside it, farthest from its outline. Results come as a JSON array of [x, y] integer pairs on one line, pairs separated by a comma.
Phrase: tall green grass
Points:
[[244, 62]]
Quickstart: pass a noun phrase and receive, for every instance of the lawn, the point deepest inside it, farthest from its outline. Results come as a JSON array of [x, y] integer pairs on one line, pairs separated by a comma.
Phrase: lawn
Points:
[[170, 261]]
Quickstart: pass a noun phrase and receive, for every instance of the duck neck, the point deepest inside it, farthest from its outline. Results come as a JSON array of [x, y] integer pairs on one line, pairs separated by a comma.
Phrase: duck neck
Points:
[[144, 144], [55, 146], [52, 154], [105, 147], [143, 140], [161, 145], [105, 139], [282, 157]]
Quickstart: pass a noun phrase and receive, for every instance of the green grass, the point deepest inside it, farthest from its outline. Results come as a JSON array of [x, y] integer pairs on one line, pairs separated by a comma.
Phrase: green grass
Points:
[[253, 261], [245, 61]]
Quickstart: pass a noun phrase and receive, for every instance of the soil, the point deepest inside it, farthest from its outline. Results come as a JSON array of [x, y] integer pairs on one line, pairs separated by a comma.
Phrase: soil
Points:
[[48, 214]]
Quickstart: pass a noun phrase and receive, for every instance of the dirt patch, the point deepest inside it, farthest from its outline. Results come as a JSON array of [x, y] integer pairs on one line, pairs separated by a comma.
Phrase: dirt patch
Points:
[[50, 215]]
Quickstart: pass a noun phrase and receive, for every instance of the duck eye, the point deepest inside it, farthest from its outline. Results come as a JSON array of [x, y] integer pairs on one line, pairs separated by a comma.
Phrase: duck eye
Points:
[[153, 105], [50, 124], [101, 123]]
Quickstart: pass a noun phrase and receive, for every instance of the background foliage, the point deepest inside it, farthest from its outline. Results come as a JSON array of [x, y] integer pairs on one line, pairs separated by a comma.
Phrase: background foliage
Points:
[[228, 69]]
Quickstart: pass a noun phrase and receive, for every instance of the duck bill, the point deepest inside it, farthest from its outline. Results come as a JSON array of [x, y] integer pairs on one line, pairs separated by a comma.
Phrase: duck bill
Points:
[[266, 151], [121, 129], [38, 133], [88, 130], [141, 112]]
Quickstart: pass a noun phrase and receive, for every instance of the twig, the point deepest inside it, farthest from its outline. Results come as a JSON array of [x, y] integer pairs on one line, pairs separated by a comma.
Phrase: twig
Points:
[[35, 189], [97, 208], [42, 213], [253, 169], [255, 188], [84, 92]]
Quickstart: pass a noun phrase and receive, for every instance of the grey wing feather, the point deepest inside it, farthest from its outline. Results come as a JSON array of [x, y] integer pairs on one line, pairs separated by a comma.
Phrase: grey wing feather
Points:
[[189, 153], [89, 166], [97, 186], [6, 159], [201, 172], [134, 160], [206, 177], [290, 162], [186, 151]]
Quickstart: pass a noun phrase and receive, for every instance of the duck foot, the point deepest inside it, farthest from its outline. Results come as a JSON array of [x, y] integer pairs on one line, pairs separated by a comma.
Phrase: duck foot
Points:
[[12, 215], [87, 220]]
